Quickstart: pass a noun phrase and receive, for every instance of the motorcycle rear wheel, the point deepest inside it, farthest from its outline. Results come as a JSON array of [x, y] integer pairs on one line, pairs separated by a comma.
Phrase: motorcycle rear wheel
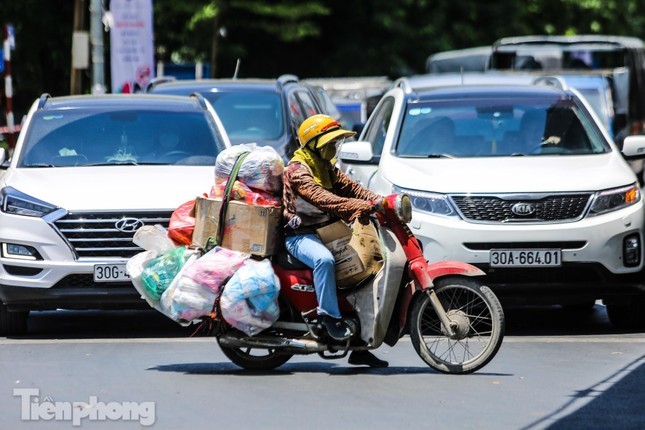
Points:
[[478, 321], [255, 358]]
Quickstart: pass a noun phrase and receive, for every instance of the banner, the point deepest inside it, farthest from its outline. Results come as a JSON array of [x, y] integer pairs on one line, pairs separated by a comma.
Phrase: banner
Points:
[[131, 45]]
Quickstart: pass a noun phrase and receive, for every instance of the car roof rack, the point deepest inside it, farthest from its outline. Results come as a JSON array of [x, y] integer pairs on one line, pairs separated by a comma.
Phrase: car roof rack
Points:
[[156, 81], [200, 99], [553, 81], [284, 79], [43, 99]]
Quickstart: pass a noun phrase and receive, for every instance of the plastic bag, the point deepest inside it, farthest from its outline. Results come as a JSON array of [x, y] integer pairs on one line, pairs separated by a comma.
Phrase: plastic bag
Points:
[[249, 301], [153, 238], [199, 284], [182, 224], [160, 271], [215, 267], [134, 267], [187, 300], [262, 168], [245, 194]]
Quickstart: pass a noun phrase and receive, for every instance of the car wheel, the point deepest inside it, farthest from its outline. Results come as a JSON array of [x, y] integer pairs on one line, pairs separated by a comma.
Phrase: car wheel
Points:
[[631, 315], [12, 323]]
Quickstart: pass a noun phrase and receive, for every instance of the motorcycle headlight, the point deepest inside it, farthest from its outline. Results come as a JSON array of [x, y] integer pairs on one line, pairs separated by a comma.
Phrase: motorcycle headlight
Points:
[[432, 203], [14, 202], [614, 199]]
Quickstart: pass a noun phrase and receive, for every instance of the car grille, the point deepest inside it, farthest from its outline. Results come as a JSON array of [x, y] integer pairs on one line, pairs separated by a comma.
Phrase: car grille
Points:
[[549, 208], [95, 234]]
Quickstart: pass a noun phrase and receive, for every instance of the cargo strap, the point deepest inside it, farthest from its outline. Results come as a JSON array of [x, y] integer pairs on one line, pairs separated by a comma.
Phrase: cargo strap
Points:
[[212, 242]]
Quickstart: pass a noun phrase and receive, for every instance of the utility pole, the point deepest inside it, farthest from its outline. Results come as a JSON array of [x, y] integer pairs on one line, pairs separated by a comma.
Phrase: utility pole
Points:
[[8, 86], [96, 38], [75, 84]]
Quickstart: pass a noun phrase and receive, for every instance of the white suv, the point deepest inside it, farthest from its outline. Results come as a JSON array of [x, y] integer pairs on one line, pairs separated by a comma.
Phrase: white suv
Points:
[[519, 180], [86, 173]]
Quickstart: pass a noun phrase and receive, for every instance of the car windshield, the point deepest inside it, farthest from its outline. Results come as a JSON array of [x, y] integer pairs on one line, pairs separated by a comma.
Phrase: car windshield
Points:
[[249, 116], [502, 126], [92, 136]]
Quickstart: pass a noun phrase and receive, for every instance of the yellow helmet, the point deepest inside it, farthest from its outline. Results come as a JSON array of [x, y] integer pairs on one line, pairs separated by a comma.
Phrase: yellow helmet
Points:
[[323, 126]]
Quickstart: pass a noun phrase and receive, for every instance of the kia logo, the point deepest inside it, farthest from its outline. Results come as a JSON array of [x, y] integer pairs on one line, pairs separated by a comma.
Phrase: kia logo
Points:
[[523, 209], [128, 225]]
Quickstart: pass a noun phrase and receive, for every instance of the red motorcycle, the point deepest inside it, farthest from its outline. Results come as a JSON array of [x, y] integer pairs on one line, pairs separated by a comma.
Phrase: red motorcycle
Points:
[[455, 323]]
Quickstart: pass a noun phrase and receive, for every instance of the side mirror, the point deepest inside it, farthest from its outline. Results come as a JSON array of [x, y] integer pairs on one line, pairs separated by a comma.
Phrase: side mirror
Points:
[[360, 151], [634, 147]]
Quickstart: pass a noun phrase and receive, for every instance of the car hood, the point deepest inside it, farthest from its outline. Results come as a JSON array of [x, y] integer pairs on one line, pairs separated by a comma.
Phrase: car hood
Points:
[[113, 187], [509, 174]]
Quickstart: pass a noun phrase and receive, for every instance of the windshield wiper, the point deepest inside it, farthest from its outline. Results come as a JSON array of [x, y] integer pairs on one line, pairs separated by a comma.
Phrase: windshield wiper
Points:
[[427, 156]]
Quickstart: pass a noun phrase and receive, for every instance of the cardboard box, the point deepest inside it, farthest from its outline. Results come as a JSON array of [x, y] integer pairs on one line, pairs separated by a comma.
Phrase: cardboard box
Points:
[[337, 237], [248, 228]]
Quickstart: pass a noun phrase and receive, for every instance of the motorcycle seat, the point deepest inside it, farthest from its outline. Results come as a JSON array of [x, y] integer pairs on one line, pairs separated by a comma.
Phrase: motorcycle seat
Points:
[[288, 261]]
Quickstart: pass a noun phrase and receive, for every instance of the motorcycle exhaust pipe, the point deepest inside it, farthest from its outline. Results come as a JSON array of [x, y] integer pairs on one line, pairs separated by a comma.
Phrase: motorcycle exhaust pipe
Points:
[[295, 346]]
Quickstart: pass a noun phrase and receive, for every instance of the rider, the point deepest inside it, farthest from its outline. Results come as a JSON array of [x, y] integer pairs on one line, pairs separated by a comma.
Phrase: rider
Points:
[[316, 194]]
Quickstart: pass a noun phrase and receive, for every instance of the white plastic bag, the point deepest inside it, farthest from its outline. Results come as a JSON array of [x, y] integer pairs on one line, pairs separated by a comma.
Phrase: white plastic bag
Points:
[[262, 168], [249, 301], [153, 238]]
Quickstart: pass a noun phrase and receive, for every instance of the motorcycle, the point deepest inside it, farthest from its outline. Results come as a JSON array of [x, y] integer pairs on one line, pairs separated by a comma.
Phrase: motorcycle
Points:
[[455, 323]]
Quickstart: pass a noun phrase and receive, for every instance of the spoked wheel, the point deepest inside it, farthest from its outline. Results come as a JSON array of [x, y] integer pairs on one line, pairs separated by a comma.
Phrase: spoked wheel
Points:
[[477, 319], [255, 358]]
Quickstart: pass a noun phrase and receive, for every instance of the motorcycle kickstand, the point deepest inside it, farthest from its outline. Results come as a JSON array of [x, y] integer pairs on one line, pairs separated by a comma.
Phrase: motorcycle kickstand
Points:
[[336, 356]]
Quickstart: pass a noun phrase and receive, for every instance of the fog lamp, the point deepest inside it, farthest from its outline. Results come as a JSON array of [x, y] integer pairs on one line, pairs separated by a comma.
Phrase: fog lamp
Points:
[[632, 250], [19, 252]]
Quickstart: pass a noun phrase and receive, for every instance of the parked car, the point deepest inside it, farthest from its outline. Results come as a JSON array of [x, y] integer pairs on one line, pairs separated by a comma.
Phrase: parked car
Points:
[[86, 173], [473, 59], [519, 180], [264, 111]]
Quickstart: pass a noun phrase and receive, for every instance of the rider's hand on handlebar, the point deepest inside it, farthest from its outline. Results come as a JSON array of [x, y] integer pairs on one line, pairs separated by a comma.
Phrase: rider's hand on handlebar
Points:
[[380, 205]]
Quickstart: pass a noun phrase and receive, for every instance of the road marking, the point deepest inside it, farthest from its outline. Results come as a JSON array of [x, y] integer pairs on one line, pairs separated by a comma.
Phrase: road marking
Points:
[[509, 339]]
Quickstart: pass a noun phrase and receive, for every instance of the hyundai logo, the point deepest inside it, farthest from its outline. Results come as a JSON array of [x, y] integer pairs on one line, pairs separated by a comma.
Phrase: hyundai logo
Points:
[[523, 209], [128, 225]]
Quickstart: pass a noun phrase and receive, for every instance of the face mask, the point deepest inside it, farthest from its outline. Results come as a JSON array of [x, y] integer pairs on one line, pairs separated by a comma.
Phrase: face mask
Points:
[[328, 152]]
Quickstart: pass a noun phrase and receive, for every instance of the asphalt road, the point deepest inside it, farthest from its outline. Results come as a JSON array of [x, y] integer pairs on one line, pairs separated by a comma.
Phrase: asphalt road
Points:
[[556, 370]]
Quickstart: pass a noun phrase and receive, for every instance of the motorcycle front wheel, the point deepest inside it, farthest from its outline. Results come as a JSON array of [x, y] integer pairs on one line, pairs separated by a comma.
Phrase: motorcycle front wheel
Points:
[[477, 319]]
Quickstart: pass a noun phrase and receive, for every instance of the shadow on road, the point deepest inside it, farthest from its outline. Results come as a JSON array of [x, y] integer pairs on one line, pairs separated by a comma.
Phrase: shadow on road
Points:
[[520, 321], [614, 402]]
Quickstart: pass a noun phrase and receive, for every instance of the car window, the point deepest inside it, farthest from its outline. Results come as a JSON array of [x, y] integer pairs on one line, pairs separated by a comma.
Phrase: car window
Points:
[[249, 115], [84, 137], [500, 126], [377, 129]]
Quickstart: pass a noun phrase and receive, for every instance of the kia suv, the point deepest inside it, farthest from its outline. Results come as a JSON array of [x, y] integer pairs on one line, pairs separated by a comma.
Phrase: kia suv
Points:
[[86, 173], [522, 181]]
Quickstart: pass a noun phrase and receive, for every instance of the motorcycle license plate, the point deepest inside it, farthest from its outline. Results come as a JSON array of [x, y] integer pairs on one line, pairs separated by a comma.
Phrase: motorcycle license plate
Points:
[[525, 258], [110, 273]]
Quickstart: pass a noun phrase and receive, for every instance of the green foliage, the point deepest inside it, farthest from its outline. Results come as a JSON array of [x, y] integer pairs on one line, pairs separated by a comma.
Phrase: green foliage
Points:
[[305, 37]]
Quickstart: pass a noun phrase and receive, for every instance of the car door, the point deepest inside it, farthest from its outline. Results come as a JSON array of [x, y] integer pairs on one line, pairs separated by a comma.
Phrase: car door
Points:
[[375, 133]]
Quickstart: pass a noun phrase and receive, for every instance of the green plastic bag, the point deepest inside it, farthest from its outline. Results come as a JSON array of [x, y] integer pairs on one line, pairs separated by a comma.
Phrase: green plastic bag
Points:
[[159, 273]]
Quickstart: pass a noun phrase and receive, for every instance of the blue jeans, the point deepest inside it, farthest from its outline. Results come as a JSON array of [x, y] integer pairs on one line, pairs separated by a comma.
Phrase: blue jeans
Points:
[[311, 251]]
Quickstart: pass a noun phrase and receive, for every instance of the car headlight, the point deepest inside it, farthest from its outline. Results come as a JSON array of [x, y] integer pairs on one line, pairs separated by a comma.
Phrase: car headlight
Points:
[[614, 199], [431, 203], [14, 202]]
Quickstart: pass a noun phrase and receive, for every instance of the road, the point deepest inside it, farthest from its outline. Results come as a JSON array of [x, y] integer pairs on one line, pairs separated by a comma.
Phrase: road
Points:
[[556, 370]]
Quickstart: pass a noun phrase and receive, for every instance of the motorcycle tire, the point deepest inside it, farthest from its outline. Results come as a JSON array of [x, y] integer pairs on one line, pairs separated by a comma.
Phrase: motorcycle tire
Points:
[[478, 320], [255, 358]]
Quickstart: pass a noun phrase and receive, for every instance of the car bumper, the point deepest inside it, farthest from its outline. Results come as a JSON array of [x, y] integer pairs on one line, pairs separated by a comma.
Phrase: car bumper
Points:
[[57, 279], [592, 251]]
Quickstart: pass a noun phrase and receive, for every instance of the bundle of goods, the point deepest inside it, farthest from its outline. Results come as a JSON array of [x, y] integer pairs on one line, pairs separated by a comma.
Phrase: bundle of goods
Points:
[[261, 170], [194, 293], [249, 301], [244, 210]]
